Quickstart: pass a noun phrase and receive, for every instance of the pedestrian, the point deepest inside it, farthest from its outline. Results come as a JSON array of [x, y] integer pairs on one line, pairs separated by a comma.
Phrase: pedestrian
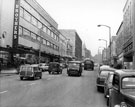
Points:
[[0, 66]]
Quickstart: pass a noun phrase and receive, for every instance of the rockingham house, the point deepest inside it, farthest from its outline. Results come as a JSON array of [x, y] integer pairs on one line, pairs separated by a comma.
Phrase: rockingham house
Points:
[[27, 31]]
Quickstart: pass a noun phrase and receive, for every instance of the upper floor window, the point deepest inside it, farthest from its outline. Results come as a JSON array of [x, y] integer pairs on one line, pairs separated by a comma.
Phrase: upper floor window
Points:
[[26, 32], [38, 38], [44, 28], [48, 31], [39, 25], [34, 21], [44, 41], [21, 12], [20, 30], [48, 43], [33, 35], [27, 16]]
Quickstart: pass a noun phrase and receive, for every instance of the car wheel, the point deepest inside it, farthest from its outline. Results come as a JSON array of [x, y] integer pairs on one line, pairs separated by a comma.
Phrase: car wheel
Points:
[[40, 77], [107, 102], [69, 74], [33, 77], [49, 72], [21, 78], [98, 89]]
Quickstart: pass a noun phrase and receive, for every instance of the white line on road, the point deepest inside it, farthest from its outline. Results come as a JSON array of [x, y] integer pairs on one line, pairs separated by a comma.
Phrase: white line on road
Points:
[[3, 92], [32, 84]]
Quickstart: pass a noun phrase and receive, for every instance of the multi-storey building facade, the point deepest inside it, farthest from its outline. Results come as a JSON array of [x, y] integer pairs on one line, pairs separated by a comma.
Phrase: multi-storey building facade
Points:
[[26, 28], [76, 42], [119, 44], [65, 48], [129, 33]]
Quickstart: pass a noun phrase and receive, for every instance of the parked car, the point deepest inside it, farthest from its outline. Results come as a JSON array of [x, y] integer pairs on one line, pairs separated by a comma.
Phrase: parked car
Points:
[[74, 68], [108, 84], [102, 75], [43, 66], [30, 71], [122, 93], [55, 67]]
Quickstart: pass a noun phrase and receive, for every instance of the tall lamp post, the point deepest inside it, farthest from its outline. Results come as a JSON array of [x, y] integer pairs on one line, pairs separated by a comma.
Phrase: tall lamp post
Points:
[[106, 45], [109, 38], [101, 52]]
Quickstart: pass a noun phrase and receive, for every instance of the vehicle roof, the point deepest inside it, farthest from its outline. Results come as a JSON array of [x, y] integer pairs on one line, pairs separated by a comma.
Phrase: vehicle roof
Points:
[[54, 63], [106, 67], [32, 65], [75, 62], [125, 72]]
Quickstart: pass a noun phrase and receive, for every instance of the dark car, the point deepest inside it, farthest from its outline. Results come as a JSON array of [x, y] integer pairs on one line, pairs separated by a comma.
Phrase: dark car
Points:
[[108, 83], [30, 71], [102, 75], [55, 67], [122, 93], [74, 68]]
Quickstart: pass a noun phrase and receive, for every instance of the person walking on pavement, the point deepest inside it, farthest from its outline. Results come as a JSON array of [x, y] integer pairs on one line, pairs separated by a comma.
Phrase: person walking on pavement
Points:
[[0, 66]]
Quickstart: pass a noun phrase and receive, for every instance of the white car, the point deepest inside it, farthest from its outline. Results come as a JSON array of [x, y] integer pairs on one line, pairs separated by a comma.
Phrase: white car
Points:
[[43, 66]]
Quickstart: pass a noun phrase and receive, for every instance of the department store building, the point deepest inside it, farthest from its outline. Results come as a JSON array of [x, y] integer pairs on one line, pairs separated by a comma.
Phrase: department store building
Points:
[[27, 31]]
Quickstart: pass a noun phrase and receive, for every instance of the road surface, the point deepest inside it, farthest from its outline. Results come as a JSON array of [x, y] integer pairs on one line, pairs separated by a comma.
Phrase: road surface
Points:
[[51, 91]]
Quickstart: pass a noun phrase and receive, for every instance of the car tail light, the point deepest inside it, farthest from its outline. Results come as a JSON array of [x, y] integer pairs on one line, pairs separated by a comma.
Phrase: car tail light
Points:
[[123, 104]]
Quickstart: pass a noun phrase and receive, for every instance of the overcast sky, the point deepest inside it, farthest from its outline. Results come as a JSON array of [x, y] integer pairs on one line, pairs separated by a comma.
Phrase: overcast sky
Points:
[[84, 16]]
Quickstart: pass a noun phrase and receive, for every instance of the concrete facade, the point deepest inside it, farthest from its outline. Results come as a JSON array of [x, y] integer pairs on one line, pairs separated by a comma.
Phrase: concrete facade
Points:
[[26, 28], [76, 42], [129, 33]]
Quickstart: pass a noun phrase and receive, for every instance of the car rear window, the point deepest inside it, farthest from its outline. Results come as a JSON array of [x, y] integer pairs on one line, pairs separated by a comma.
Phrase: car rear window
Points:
[[23, 68], [104, 73], [73, 64], [128, 82]]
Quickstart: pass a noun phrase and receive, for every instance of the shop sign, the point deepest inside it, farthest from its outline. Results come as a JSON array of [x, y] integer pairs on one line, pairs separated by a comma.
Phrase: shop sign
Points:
[[16, 23]]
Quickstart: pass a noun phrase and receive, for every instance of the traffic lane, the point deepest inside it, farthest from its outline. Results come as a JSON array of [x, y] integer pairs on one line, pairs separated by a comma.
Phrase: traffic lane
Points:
[[11, 82], [63, 91]]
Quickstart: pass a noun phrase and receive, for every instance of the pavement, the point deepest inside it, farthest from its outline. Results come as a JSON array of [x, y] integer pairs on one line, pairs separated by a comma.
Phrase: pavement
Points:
[[8, 72]]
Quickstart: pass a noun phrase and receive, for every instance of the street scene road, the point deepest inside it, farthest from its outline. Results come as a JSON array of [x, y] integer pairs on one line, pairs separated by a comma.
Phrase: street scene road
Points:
[[55, 90]]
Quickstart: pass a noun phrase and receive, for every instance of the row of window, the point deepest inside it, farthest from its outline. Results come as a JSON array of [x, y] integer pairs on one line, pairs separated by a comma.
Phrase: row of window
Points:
[[26, 32], [30, 18]]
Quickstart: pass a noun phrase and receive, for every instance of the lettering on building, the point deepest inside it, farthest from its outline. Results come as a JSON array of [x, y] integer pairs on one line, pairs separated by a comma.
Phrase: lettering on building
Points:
[[16, 23]]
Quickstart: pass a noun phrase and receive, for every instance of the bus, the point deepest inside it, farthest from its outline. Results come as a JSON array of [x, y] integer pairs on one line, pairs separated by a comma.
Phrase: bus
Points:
[[88, 64]]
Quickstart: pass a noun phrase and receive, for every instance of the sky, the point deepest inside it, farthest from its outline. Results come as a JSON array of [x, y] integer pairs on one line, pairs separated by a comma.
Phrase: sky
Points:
[[84, 16]]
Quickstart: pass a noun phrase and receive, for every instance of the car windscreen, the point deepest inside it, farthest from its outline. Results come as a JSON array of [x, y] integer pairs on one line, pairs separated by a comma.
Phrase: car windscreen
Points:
[[128, 82]]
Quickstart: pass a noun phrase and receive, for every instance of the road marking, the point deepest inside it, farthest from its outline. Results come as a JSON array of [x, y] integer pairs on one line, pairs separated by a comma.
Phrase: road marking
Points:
[[32, 84], [3, 92], [49, 78]]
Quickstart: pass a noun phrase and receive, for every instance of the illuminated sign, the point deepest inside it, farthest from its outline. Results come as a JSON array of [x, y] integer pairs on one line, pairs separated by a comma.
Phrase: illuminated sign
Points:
[[16, 23]]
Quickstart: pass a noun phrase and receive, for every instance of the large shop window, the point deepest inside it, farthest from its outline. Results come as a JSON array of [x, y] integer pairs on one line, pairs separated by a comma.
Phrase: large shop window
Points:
[[27, 16]]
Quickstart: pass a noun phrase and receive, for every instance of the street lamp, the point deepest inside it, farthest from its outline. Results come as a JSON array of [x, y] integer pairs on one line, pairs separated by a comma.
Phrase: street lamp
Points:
[[106, 45], [109, 38], [100, 53]]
